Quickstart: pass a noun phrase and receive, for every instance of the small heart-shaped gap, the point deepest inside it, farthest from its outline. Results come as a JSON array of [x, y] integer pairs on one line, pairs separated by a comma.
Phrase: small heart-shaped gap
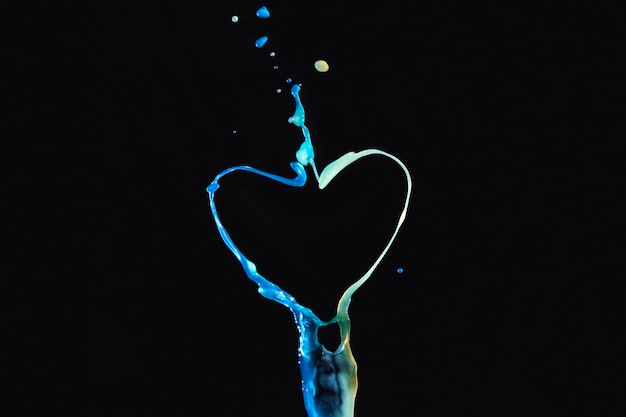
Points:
[[314, 243]]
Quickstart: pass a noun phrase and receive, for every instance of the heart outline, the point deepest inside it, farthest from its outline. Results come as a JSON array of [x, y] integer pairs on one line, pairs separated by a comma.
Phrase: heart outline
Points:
[[272, 291], [314, 358]]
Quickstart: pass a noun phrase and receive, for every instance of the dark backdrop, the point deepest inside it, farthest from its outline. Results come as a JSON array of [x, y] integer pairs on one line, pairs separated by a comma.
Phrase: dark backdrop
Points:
[[129, 304]]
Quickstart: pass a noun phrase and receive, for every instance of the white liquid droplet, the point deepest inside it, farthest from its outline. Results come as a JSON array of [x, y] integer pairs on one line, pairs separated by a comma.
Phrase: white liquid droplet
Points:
[[321, 65], [235, 19]]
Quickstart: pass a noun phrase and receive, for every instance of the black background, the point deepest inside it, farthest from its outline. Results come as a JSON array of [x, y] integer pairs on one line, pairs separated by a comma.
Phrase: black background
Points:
[[128, 302]]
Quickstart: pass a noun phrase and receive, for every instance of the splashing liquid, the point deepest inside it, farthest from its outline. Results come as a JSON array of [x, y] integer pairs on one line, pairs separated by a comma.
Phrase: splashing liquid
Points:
[[329, 378]]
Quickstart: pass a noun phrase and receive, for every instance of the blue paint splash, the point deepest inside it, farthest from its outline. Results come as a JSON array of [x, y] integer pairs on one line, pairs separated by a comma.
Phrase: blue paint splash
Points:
[[329, 378]]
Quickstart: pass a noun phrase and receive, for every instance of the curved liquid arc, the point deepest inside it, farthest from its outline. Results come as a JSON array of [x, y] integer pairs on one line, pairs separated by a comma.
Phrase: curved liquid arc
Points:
[[329, 379]]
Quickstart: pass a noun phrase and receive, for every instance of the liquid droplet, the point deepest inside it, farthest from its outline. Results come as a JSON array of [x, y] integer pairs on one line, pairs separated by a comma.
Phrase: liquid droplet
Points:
[[321, 65], [234, 19], [272, 54], [263, 13], [275, 66], [278, 90], [260, 42], [288, 80], [400, 270]]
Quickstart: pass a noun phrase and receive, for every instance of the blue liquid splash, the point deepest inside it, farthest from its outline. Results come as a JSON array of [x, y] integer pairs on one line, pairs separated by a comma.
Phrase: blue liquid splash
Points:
[[329, 378]]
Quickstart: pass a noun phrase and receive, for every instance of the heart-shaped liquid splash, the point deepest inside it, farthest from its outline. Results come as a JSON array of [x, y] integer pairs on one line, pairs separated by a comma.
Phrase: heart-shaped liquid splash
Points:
[[329, 379]]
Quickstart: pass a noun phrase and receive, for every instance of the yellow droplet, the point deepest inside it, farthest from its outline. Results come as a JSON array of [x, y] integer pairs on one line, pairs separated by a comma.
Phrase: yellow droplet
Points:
[[321, 65]]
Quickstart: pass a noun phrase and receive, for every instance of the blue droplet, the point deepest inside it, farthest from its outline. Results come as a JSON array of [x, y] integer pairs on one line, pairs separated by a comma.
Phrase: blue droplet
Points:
[[263, 13], [260, 42], [400, 270], [288, 80], [275, 66]]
